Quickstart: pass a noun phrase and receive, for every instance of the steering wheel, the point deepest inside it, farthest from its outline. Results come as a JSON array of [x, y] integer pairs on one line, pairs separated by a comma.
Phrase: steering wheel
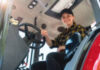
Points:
[[38, 40]]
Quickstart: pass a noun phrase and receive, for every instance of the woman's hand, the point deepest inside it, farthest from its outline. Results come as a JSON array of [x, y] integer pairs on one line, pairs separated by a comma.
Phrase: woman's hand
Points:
[[61, 48], [44, 33]]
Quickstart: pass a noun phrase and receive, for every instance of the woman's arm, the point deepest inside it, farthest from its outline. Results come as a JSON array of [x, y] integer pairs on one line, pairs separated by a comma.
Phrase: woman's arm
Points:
[[48, 40]]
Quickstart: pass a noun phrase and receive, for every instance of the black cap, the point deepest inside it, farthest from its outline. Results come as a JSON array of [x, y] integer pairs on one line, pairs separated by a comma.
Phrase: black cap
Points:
[[69, 11]]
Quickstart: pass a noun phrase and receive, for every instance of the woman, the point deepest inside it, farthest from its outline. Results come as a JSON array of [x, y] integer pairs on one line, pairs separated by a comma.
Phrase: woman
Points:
[[55, 61]]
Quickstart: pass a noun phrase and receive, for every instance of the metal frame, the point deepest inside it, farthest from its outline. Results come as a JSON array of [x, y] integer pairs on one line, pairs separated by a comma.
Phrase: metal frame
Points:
[[96, 8], [5, 9]]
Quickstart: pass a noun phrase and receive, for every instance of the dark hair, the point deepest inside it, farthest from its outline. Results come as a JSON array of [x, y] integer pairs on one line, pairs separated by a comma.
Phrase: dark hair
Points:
[[69, 11]]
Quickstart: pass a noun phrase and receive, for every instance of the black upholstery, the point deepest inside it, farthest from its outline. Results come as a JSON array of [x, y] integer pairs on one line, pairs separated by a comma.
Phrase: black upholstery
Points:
[[71, 47]]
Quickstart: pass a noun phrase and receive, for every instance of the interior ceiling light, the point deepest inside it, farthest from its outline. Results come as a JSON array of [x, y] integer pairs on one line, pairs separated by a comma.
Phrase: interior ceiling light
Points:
[[34, 2], [30, 6], [61, 4]]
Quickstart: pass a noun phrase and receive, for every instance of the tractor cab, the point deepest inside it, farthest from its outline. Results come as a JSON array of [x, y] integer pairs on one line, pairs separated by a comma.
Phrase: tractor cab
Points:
[[21, 42]]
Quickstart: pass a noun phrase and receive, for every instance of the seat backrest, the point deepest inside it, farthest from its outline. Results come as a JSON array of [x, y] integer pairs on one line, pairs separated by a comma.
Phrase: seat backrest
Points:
[[73, 62], [15, 50], [71, 45]]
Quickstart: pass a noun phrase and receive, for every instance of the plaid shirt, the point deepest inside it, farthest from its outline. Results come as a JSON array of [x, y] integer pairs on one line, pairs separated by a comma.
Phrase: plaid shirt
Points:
[[66, 34]]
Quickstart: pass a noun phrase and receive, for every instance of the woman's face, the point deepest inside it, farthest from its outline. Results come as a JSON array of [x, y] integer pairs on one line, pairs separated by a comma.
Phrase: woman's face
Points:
[[67, 19]]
